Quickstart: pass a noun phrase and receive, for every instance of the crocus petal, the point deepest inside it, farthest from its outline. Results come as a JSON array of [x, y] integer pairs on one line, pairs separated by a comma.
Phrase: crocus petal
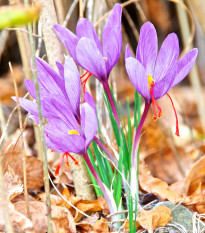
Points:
[[128, 53], [72, 84], [28, 105], [90, 58], [89, 99], [86, 29], [138, 77], [51, 144], [69, 39], [58, 106], [34, 118], [89, 123], [60, 69], [112, 45], [114, 18], [147, 47], [49, 78], [167, 57], [112, 37], [57, 133], [178, 73], [184, 65], [30, 86]]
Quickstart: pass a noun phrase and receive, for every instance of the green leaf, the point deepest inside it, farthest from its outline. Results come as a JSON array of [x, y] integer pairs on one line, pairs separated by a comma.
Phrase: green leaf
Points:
[[130, 214], [118, 188]]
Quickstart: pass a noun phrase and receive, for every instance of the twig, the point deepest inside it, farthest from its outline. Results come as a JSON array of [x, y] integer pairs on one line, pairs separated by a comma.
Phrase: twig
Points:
[[131, 23], [141, 12], [41, 127], [23, 30], [70, 11], [54, 48], [80, 8], [22, 140]]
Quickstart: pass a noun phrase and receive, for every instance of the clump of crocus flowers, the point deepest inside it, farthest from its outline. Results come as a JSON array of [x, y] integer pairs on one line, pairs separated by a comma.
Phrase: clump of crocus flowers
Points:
[[71, 125]]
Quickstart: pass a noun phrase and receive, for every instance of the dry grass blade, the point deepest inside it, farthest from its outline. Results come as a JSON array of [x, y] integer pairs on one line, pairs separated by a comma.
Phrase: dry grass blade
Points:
[[71, 9], [22, 140]]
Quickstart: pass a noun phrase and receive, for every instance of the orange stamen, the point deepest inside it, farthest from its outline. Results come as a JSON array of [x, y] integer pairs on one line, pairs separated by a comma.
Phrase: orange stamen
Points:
[[177, 123]]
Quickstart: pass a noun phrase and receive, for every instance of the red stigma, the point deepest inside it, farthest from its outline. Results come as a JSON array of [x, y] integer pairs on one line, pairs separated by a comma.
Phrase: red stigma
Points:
[[85, 81], [84, 75], [75, 161], [177, 122], [66, 154]]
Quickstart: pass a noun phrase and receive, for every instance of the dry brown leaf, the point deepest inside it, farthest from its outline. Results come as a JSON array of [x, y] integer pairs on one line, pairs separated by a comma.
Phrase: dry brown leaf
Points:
[[151, 219], [178, 187], [127, 227], [20, 223], [195, 177], [61, 218], [85, 206], [55, 200], [88, 207], [157, 186], [13, 185], [12, 156], [70, 198], [94, 226]]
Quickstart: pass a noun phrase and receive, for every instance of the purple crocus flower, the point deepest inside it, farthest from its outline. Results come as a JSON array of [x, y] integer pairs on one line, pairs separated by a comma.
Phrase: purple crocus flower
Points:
[[86, 49], [67, 136], [85, 46], [62, 89], [152, 74]]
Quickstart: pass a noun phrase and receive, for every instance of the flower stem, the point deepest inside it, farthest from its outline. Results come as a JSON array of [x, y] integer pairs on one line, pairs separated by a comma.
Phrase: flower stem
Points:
[[137, 136], [104, 148], [112, 104], [100, 183]]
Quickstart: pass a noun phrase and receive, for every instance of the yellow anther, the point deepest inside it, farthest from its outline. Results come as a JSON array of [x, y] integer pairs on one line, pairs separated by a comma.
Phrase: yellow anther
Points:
[[150, 80], [73, 131], [105, 58]]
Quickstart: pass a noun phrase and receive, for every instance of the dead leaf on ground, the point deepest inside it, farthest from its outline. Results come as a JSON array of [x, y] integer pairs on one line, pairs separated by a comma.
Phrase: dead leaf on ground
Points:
[[20, 223], [156, 186], [93, 226], [88, 207], [13, 185], [12, 156], [151, 219], [195, 176], [61, 218], [85, 206]]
